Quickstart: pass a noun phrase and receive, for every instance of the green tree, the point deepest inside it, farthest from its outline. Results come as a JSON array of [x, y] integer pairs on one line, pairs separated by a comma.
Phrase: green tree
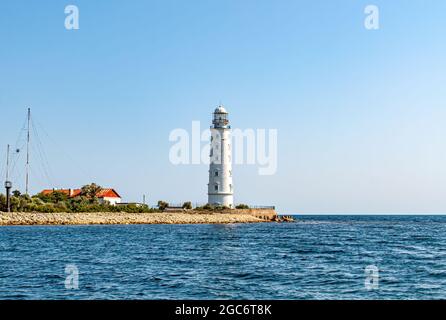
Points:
[[90, 191], [16, 193], [58, 196], [187, 205], [162, 205], [2, 202]]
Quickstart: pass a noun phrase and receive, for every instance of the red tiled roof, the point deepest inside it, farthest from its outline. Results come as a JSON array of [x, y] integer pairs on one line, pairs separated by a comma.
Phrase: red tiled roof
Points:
[[103, 193], [107, 193]]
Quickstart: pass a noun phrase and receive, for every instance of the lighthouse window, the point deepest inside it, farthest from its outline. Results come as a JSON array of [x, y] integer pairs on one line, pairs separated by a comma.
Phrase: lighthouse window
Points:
[[216, 173], [216, 187]]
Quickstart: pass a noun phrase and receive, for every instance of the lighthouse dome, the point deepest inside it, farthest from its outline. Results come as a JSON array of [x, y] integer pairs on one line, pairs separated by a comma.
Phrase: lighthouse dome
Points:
[[220, 109]]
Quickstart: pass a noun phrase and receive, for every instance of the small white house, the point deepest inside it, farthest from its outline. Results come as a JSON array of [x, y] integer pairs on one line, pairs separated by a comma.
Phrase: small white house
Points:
[[110, 196]]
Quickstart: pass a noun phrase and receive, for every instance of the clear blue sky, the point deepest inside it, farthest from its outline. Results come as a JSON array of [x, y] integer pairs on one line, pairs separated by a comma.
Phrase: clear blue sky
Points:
[[360, 114]]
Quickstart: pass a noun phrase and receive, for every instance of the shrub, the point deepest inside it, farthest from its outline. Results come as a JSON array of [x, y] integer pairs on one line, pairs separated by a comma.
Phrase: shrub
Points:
[[206, 207], [187, 205], [2, 202], [162, 205], [242, 206]]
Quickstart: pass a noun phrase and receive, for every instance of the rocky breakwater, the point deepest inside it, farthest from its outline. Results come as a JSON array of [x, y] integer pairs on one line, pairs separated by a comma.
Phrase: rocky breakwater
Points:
[[98, 218]]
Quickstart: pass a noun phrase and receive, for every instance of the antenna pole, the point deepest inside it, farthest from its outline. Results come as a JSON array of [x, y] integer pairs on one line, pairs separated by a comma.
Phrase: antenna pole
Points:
[[27, 154]]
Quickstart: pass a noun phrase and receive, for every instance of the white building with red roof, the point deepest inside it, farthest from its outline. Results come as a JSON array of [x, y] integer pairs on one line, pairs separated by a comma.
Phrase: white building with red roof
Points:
[[104, 195]]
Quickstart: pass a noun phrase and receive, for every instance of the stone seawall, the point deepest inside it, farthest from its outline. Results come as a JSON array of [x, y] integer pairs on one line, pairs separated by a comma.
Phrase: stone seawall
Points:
[[267, 214], [182, 217], [263, 214]]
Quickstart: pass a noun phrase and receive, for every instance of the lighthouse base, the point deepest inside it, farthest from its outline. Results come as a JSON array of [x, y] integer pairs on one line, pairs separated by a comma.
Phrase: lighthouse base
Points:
[[224, 200]]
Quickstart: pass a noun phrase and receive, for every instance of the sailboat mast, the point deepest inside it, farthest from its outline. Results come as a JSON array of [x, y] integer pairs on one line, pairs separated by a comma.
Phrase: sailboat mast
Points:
[[8, 184], [7, 163], [27, 153]]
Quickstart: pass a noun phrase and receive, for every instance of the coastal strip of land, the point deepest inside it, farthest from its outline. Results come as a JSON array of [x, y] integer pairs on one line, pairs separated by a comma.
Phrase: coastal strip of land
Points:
[[111, 218]]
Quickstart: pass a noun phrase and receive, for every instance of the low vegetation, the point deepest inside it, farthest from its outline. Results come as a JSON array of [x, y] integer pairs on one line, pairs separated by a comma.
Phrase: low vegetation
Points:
[[210, 207], [60, 202]]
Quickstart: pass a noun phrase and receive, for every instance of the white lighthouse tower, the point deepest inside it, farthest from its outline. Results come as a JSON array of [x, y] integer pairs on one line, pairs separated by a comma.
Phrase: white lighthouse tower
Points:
[[220, 189]]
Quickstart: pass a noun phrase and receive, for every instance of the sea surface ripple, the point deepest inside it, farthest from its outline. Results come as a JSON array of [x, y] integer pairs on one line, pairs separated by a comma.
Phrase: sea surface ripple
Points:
[[315, 257]]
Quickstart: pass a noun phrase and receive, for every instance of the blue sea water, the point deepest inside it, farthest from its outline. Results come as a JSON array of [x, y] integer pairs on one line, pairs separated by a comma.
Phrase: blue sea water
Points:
[[315, 257]]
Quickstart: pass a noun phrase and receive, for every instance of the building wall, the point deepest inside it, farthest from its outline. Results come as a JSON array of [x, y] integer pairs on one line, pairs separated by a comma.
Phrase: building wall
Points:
[[112, 201]]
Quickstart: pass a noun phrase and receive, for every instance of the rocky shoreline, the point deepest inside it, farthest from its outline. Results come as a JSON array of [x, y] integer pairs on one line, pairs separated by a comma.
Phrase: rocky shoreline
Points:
[[110, 218]]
